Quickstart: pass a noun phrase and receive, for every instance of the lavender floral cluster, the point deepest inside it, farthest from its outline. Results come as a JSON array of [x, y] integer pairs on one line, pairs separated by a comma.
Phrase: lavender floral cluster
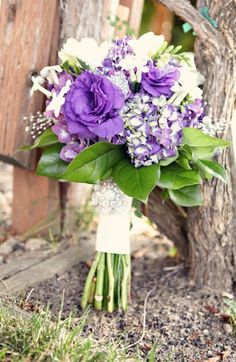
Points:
[[134, 92]]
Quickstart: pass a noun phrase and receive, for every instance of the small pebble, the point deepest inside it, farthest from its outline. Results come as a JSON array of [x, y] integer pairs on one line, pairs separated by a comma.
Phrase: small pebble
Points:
[[205, 332], [34, 244], [228, 328], [227, 295], [8, 246], [210, 354]]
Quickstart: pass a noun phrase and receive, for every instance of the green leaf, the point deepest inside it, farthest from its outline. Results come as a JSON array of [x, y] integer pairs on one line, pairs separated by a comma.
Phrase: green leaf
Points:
[[71, 66], [136, 182], [175, 177], [50, 164], [212, 169], [183, 161], [202, 145], [47, 138], [137, 205], [95, 163], [186, 152], [187, 196]]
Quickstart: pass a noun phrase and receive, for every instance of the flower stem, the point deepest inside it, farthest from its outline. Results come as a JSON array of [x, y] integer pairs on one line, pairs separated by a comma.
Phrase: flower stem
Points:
[[98, 298], [88, 288], [125, 285], [110, 304]]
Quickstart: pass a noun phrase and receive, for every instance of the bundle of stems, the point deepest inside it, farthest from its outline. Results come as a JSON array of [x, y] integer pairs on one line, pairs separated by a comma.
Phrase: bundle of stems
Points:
[[108, 282]]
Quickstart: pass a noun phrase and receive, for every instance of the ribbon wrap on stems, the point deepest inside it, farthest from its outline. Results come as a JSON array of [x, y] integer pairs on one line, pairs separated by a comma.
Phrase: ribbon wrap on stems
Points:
[[108, 282], [113, 232]]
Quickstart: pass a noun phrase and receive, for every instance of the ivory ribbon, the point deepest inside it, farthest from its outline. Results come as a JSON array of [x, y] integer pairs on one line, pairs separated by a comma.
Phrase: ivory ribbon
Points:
[[113, 233]]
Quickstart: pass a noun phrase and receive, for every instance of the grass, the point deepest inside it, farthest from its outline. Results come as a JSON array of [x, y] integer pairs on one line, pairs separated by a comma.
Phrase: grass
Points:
[[231, 311], [42, 337]]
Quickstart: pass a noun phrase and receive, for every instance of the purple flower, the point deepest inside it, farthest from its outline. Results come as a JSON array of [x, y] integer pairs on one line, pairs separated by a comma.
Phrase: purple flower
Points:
[[62, 133], [71, 150], [158, 81], [193, 113], [92, 107]]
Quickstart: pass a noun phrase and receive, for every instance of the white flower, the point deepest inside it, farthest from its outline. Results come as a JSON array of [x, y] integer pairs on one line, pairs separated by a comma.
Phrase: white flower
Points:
[[58, 99], [188, 83], [47, 73], [50, 73], [132, 62], [147, 45], [144, 49], [37, 86], [87, 50]]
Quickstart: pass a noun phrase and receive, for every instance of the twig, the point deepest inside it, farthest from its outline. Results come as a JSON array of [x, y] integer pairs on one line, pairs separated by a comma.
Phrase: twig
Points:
[[144, 321], [145, 307]]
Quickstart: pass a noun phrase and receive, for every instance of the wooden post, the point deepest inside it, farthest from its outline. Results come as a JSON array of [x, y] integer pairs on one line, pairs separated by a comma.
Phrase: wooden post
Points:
[[28, 39]]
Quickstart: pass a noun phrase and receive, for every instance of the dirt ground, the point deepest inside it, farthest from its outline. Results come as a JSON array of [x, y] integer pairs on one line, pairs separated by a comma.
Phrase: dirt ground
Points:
[[185, 322]]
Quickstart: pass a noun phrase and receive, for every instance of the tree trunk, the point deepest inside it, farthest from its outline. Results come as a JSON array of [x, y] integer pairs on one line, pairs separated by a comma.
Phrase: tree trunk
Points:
[[211, 229]]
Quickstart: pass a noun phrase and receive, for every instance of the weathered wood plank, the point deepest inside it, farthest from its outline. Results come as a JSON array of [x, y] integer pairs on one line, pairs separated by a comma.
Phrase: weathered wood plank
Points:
[[36, 203], [26, 46], [26, 33], [23, 263], [58, 263]]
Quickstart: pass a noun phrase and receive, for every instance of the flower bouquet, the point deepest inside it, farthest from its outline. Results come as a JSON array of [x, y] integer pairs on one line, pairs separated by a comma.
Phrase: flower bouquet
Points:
[[126, 116]]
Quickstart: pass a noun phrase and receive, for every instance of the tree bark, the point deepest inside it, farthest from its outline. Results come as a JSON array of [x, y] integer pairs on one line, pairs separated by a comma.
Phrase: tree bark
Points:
[[209, 232]]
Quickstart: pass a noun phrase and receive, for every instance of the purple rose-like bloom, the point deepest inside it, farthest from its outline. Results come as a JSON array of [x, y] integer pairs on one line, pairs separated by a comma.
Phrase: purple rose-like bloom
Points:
[[92, 107], [158, 81]]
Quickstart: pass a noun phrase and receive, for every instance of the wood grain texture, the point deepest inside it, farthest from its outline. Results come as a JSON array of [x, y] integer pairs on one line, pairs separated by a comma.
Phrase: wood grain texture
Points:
[[81, 19], [36, 203], [23, 263], [45, 269], [211, 229], [26, 33], [29, 33]]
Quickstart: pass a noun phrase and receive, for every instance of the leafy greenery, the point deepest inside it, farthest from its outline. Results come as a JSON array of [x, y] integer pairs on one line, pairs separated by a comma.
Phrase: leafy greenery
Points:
[[202, 145], [71, 66], [136, 182], [211, 169], [187, 196], [50, 163], [95, 163], [177, 175]]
